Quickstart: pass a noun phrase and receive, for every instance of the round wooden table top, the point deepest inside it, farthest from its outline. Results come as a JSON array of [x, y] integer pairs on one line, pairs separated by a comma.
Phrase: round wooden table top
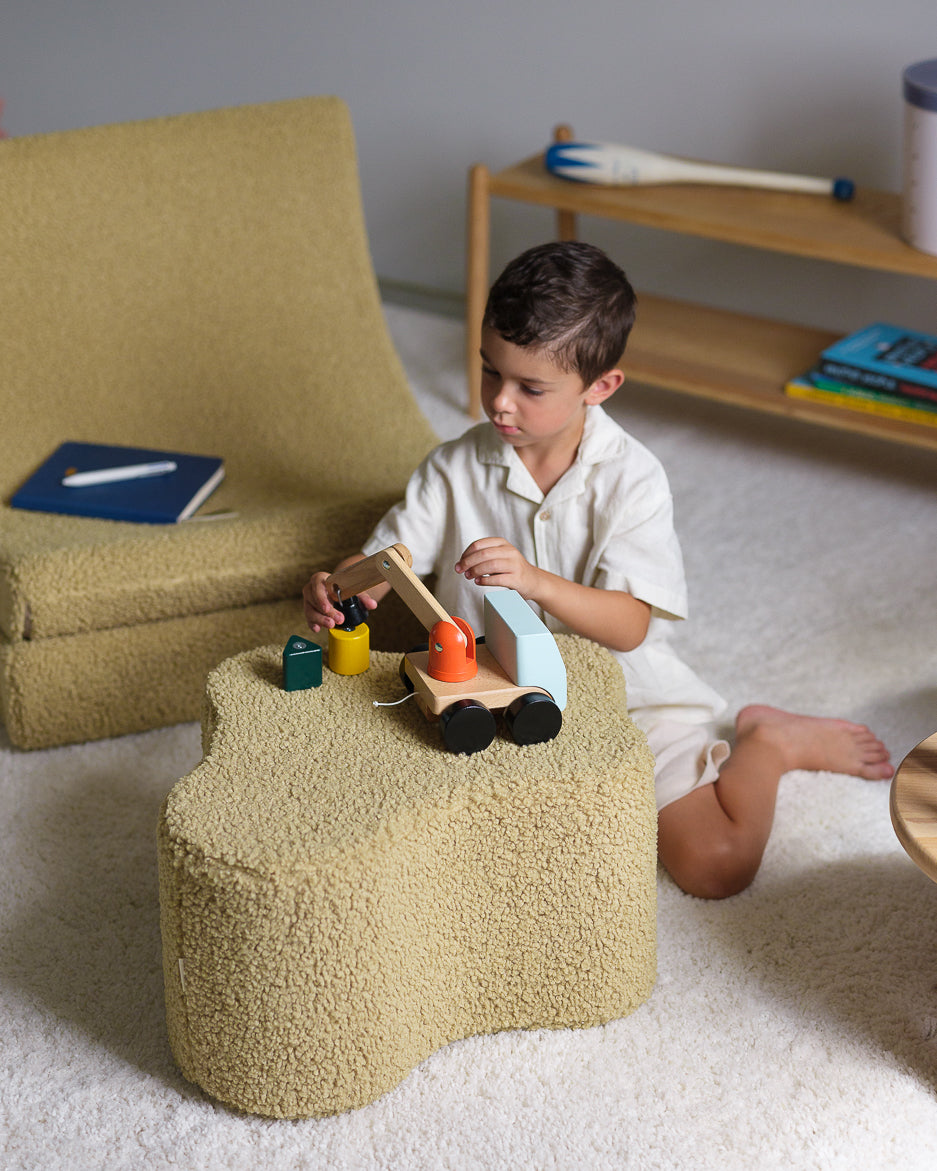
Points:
[[914, 805]]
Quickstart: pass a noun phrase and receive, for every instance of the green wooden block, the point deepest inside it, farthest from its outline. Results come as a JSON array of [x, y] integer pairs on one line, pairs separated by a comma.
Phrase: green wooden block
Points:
[[302, 664]]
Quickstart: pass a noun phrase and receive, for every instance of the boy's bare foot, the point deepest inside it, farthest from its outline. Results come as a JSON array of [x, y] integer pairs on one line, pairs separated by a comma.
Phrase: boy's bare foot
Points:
[[816, 743]]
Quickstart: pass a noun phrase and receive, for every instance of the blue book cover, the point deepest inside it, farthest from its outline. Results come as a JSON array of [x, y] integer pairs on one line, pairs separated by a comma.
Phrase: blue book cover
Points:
[[146, 486], [899, 355]]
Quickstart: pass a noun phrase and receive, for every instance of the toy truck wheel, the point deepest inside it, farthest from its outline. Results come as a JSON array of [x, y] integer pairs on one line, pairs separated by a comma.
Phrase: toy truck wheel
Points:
[[533, 718], [402, 669], [467, 726]]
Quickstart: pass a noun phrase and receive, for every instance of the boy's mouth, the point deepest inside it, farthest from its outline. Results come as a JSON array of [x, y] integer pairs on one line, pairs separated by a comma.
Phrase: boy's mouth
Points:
[[505, 428]]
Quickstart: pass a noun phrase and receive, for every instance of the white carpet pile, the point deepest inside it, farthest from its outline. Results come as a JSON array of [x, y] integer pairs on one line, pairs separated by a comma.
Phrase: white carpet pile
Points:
[[794, 1026]]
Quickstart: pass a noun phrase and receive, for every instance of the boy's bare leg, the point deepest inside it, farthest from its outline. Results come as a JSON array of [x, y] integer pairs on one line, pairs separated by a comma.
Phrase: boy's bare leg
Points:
[[712, 840]]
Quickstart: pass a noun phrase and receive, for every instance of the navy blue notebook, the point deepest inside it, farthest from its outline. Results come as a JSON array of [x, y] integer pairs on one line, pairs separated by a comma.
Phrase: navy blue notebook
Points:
[[163, 498]]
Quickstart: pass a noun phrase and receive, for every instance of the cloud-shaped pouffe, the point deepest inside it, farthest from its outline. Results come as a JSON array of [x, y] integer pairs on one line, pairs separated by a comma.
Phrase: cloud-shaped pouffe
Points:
[[340, 896]]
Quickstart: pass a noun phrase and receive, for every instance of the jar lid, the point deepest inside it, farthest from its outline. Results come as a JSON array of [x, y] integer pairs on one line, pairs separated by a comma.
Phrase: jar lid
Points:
[[920, 84]]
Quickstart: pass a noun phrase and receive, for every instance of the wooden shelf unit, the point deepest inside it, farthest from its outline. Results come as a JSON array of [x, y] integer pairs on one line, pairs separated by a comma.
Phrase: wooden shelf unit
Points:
[[715, 354]]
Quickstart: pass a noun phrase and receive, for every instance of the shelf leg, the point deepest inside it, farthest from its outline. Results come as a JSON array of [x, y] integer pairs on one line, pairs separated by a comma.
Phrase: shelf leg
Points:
[[476, 279], [565, 220]]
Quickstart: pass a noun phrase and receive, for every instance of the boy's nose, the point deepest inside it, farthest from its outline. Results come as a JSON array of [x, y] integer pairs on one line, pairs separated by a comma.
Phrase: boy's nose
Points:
[[503, 400]]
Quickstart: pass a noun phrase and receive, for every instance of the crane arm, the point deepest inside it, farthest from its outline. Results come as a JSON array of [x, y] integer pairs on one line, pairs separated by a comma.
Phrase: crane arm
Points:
[[393, 566]]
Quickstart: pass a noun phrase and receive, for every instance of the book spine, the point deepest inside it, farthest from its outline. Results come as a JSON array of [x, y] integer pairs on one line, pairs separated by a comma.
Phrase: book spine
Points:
[[874, 380], [866, 402], [815, 378]]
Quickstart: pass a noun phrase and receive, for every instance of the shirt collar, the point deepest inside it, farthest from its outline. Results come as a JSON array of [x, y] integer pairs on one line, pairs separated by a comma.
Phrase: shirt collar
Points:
[[601, 439]]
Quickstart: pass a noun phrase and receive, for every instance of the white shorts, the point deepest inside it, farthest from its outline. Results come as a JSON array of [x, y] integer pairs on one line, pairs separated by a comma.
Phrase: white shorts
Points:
[[686, 757]]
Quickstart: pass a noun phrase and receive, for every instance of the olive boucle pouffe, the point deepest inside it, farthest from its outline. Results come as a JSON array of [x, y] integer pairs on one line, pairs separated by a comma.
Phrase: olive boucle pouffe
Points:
[[340, 896]]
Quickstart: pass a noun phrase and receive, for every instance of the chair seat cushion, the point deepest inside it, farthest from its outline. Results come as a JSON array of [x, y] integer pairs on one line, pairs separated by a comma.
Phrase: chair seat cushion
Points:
[[62, 575]]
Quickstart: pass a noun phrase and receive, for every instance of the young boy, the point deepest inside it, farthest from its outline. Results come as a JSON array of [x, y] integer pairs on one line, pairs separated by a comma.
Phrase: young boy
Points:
[[553, 499]]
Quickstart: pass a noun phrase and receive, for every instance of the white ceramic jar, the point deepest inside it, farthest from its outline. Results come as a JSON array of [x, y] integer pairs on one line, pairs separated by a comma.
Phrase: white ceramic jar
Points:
[[919, 203]]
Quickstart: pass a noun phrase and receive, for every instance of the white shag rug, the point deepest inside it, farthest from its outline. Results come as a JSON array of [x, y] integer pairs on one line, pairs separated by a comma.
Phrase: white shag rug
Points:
[[794, 1026]]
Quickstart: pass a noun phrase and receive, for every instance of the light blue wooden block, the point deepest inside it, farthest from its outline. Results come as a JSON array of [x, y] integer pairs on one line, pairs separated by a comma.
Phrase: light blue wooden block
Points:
[[522, 644]]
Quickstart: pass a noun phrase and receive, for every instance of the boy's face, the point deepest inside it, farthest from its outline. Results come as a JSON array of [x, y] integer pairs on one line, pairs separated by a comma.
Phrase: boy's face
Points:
[[529, 399]]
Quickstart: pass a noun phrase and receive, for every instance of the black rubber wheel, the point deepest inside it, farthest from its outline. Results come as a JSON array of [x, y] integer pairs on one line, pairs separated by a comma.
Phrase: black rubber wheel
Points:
[[402, 670], [533, 718], [467, 726]]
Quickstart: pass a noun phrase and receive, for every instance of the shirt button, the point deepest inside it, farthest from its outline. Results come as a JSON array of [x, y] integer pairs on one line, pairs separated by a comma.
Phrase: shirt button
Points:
[[546, 514]]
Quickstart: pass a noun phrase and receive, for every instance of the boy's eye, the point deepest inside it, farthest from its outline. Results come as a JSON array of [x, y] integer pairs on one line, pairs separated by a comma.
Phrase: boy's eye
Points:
[[532, 391]]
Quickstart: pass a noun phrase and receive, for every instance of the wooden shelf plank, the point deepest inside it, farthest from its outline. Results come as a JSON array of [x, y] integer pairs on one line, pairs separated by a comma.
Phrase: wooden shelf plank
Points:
[[864, 231], [743, 361]]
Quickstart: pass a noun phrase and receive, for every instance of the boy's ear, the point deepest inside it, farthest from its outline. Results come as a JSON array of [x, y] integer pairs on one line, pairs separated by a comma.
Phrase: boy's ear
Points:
[[605, 386]]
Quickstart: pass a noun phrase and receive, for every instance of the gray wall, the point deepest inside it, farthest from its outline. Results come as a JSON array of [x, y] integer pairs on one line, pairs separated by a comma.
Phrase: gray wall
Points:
[[808, 85]]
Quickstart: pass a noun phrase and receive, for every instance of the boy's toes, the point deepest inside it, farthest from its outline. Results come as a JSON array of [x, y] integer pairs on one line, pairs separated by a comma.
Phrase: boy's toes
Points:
[[875, 764]]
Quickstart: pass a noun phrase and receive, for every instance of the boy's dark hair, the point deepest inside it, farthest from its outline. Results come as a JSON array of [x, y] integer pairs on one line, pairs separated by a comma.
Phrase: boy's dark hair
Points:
[[568, 299]]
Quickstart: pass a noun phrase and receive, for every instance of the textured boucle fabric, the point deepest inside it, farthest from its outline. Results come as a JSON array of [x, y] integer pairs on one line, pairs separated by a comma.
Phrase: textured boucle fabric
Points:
[[340, 896], [199, 283]]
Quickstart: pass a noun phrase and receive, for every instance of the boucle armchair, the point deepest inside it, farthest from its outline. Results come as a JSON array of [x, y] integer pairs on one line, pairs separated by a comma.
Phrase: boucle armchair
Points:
[[199, 283]]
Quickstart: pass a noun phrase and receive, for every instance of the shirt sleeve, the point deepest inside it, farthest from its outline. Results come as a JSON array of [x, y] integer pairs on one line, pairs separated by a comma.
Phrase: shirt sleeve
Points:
[[417, 521], [636, 547]]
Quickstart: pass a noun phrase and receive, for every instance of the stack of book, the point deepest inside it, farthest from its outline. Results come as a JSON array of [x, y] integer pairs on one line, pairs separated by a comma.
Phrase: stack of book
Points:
[[881, 369]]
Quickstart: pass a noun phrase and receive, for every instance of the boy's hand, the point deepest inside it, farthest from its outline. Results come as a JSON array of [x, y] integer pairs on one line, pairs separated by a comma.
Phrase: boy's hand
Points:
[[319, 607], [493, 561], [612, 618]]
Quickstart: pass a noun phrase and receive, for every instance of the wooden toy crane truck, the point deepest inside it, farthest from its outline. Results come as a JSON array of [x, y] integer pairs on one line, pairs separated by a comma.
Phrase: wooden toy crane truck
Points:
[[459, 680]]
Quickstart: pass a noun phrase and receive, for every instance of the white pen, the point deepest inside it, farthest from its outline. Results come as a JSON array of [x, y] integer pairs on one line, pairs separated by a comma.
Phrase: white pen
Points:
[[116, 475]]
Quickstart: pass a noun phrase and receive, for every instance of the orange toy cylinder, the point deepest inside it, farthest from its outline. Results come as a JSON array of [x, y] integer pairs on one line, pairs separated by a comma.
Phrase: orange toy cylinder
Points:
[[452, 652]]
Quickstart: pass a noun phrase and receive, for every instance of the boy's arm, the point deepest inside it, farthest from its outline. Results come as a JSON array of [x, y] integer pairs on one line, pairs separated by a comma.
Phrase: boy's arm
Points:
[[613, 618]]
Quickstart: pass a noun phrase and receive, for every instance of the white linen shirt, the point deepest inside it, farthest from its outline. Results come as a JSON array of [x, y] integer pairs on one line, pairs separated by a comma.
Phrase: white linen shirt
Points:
[[608, 523]]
